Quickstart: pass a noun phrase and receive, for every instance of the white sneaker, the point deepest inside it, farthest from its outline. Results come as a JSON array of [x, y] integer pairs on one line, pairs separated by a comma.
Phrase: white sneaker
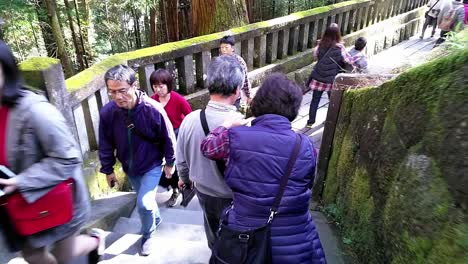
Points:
[[147, 247]]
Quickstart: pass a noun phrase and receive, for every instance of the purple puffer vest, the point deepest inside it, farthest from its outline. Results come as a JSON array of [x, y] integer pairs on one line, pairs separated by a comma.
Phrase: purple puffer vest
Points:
[[257, 161]]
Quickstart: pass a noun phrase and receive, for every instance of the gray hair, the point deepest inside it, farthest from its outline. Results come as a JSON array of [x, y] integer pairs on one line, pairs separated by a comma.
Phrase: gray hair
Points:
[[121, 73], [225, 75]]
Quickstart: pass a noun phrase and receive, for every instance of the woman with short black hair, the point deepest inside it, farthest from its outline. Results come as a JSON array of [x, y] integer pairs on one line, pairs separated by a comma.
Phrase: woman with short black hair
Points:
[[36, 145], [176, 108], [256, 158]]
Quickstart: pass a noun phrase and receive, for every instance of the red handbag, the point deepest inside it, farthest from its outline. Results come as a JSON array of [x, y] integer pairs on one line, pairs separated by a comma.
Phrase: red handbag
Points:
[[53, 209]]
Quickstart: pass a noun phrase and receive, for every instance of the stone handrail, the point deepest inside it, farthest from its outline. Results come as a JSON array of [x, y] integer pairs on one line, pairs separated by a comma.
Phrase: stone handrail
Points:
[[261, 44]]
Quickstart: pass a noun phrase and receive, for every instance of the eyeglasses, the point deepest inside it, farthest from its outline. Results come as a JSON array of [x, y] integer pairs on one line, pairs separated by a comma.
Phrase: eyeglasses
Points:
[[113, 93]]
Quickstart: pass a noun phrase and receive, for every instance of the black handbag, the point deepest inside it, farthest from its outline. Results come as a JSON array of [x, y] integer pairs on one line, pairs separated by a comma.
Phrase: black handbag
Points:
[[252, 246]]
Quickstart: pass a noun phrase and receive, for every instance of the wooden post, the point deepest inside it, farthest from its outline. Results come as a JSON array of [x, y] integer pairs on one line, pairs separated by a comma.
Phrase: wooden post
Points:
[[186, 77], [313, 32], [365, 14], [339, 21], [352, 21], [248, 52], [202, 60], [346, 22], [303, 36], [260, 51], [91, 118], [283, 41], [342, 83], [293, 40], [272, 47], [144, 73], [52, 80]]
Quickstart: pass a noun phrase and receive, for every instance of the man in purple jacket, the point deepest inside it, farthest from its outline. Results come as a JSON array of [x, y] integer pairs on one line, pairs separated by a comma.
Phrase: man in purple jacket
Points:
[[137, 129]]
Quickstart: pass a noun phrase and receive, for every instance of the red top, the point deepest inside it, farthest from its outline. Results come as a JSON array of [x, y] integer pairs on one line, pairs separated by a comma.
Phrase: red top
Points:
[[176, 108], [3, 135]]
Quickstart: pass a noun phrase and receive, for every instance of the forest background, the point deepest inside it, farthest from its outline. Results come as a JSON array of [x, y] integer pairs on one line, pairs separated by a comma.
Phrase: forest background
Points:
[[83, 32]]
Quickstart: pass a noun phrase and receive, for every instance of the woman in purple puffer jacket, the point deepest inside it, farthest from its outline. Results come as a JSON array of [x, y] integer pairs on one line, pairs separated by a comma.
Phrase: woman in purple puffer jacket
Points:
[[256, 158]]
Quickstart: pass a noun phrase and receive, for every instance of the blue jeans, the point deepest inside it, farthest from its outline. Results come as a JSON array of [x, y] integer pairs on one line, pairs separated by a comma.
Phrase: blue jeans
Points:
[[146, 186]]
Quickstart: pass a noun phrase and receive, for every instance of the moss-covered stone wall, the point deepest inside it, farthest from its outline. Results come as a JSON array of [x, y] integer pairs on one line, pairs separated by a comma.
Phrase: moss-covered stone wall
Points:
[[397, 181]]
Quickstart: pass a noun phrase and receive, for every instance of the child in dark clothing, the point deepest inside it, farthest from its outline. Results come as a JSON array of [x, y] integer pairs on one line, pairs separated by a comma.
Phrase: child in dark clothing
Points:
[[358, 57]]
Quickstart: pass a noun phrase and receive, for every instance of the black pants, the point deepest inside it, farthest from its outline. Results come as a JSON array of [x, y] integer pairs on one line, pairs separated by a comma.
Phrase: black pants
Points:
[[173, 182], [443, 35], [429, 21], [316, 96], [212, 210]]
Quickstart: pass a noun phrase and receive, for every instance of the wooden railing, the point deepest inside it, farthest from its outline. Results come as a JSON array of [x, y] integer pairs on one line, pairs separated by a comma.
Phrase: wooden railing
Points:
[[82, 96]]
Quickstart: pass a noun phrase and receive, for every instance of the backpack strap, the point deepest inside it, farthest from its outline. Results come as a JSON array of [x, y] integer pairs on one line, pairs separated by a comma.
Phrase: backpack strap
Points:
[[220, 164], [285, 178]]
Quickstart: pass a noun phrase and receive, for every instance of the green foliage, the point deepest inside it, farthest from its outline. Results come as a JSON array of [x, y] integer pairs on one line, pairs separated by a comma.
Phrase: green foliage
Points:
[[396, 181], [457, 40], [20, 28]]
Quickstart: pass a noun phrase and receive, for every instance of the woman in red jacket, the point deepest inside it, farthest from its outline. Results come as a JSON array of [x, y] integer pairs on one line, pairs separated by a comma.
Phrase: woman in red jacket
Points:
[[176, 108]]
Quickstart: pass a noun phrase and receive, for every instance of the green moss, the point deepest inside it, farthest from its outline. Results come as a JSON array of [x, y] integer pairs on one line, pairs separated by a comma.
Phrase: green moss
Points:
[[97, 182], [452, 244], [396, 180], [37, 64], [77, 82]]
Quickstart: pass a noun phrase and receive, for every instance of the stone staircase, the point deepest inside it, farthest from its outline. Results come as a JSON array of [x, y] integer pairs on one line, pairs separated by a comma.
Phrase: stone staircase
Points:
[[179, 239]]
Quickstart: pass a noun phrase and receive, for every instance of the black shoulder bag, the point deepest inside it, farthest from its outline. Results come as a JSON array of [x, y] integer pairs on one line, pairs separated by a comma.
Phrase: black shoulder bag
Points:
[[253, 246], [219, 163]]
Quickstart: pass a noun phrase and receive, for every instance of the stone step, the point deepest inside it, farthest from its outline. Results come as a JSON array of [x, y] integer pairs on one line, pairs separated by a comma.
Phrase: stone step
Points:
[[125, 249], [166, 229]]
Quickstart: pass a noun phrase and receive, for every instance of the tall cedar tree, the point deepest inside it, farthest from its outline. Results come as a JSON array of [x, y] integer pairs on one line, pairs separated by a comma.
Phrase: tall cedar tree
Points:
[[210, 16]]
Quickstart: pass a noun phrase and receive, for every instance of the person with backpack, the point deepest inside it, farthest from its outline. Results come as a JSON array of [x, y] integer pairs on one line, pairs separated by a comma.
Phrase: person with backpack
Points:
[[136, 130], [331, 57], [263, 159], [451, 18], [225, 78], [431, 17]]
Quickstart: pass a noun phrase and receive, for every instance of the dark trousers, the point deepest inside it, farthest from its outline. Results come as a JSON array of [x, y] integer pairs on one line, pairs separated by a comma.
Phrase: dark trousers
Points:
[[212, 209], [443, 35], [429, 21], [316, 96]]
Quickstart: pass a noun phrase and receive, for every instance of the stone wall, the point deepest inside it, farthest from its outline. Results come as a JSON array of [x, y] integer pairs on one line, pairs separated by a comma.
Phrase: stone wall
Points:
[[397, 181]]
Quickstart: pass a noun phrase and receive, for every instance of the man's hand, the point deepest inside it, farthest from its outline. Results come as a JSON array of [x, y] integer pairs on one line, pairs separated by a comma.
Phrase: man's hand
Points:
[[169, 170], [182, 184], [112, 180], [9, 185]]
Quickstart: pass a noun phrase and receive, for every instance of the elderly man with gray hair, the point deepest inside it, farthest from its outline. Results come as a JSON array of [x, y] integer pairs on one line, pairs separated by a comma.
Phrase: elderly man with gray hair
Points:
[[135, 129], [225, 77]]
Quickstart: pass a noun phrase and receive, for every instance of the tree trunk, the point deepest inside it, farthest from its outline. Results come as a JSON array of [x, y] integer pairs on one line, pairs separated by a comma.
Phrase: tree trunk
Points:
[[153, 26], [36, 41], [185, 20], [170, 19], [84, 31], [46, 30], [59, 40], [210, 16], [136, 28], [76, 44]]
